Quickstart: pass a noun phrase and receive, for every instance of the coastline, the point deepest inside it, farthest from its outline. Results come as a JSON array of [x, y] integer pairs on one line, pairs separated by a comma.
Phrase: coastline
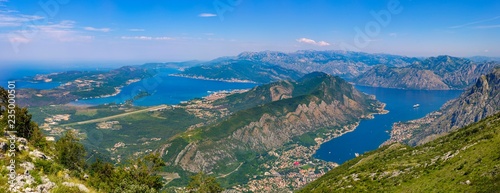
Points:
[[400, 88], [293, 182], [118, 90], [347, 129], [213, 79], [350, 128]]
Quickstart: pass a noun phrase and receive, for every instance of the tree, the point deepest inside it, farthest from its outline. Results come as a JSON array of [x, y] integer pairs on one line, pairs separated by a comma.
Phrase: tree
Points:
[[4, 97], [3, 94], [70, 152], [103, 175], [139, 175], [204, 184], [22, 122], [145, 170]]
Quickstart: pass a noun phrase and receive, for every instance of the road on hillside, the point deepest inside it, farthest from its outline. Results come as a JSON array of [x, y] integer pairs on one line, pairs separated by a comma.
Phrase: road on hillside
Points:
[[116, 116]]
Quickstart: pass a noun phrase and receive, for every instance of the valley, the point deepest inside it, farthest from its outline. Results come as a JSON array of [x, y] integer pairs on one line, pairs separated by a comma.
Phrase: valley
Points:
[[251, 137], [231, 96]]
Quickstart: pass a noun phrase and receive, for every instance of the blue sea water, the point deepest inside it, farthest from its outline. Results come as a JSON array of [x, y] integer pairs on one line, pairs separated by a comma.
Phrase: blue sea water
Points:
[[22, 74], [165, 89], [373, 132]]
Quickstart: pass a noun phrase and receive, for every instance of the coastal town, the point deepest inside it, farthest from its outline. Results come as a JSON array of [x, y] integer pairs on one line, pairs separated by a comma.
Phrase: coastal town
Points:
[[291, 167], [403, 131], [294, 166]]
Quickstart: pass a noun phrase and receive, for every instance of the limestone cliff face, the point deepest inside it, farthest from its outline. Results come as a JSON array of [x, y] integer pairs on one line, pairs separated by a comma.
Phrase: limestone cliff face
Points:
[[318, 101], [280, 92], [408, 78], [458, 73], [476, 103], [272, 131], [434, 73]]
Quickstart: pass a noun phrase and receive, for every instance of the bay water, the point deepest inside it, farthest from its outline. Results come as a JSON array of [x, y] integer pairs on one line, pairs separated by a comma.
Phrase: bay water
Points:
[[166, 89], [371, 133]]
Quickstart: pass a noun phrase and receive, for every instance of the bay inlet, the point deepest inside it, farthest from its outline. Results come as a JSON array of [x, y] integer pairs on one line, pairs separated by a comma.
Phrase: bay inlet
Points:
[[373, 132]]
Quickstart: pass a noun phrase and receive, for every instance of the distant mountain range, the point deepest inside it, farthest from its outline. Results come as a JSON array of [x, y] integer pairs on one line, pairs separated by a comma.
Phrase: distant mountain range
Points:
[[340, 63], [484, 58], [265, 119], [434, 73], [378, 70], [476, 103], [345, 64]]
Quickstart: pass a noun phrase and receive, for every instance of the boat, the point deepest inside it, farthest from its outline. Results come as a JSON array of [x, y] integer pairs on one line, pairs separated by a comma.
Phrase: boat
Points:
[[416, 105]]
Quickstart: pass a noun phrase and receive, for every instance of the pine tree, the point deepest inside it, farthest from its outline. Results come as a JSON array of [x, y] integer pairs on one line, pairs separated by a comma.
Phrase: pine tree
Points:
[[202, 183], [71, 153]]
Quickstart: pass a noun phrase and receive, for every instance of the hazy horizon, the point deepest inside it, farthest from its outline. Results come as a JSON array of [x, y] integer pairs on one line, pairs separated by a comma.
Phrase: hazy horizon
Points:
[[75, 64]]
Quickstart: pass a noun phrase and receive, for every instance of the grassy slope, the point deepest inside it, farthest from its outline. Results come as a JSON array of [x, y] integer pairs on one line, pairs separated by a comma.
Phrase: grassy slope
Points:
[[312, 87], [474, 157]]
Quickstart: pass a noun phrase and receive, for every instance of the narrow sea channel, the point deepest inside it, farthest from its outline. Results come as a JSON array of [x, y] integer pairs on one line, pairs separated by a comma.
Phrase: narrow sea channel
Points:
[[371, 133]]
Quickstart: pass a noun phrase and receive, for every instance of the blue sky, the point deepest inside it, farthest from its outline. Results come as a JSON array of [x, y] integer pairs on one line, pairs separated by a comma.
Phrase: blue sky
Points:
[[176, 30]]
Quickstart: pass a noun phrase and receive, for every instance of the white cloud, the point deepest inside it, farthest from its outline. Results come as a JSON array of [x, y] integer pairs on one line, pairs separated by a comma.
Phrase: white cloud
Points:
[[9, 18], [207, 15], [136, 38], [63, 31], [323, 43], [97, 29], [313, 42], [487, 26], [163, 38], [393, 35], [136, 29], [475, 22], [146, 38]]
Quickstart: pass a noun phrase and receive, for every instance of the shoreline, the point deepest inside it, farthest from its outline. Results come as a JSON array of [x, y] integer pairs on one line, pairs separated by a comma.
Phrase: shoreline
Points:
[[350, 128], [409, 89], [213, 79], [118, 90], [347, 130], [310, 158]]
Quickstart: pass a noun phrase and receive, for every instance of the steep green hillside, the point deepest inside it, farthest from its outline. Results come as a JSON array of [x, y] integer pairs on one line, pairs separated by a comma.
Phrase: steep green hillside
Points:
[[311, 83], [267, 118], [467, 160]]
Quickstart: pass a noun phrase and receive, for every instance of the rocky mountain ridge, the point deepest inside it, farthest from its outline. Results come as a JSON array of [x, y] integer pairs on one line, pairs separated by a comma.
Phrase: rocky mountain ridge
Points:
[[434, 73], [293, 109], [345, 64], [474, 104]]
